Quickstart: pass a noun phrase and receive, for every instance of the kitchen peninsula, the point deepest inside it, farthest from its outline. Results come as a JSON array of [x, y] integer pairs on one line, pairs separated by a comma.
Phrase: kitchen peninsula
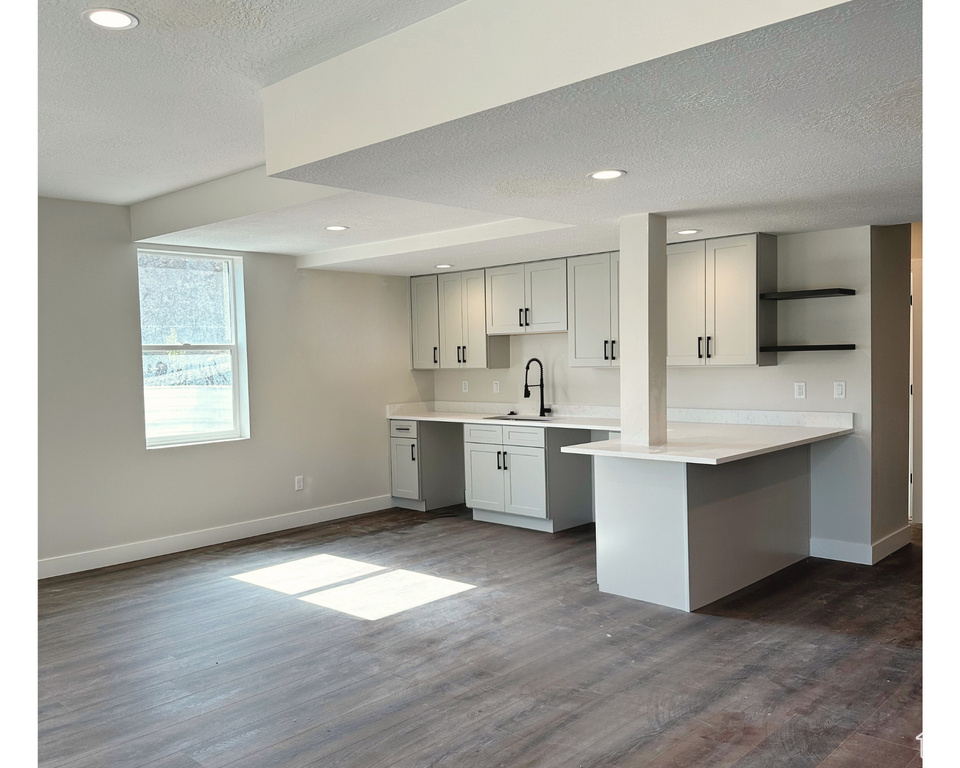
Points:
[[723, 503]]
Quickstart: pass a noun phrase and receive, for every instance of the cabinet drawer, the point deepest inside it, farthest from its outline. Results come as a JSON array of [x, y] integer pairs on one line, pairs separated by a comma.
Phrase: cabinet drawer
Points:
[[527, 436], [403, 428], [483, 433]]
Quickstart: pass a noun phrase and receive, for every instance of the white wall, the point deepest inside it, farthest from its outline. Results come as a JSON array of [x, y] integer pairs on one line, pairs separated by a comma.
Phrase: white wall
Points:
[[326, 352]]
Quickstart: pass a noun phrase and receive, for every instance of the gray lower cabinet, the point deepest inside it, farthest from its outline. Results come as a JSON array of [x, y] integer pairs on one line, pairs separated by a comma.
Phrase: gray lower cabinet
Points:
[[426, 469], [516, 475]]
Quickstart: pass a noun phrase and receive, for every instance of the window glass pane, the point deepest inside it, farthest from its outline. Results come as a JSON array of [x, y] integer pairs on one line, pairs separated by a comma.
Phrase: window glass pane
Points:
[[188, 392], [184, 300]]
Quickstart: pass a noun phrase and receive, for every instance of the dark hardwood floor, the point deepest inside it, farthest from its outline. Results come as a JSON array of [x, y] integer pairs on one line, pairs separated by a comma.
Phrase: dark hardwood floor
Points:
[[170, 663]]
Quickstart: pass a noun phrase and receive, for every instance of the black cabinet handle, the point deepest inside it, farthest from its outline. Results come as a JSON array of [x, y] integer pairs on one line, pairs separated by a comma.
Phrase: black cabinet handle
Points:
[[412, 455], [708, 346], [402, 429], [605, 355], [527, 311], [458, 355], [464, 353], [699, 346], [504, 459], [520, 322], [434, 355], [613, 349], [498, 460]]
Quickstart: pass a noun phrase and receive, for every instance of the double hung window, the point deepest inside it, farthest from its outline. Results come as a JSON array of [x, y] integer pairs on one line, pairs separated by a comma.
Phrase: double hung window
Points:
[[193, 348]]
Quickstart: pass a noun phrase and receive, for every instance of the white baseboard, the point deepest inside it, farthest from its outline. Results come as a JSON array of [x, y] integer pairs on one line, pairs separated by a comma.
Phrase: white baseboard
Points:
[[890, 544], [846, 551], [864, 554], [140, 550]]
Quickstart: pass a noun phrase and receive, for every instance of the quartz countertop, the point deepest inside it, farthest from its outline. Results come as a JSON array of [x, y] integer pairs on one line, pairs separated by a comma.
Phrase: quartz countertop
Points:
[[713, 443], [561, 422]]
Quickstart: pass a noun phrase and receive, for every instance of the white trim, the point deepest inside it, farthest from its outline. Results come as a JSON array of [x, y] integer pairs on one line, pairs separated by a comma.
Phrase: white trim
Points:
[[845, 551], [140, 550], [864, 554], [891, 543]]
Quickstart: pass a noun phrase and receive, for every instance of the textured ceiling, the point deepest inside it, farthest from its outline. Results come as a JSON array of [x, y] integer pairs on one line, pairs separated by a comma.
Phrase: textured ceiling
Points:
[[813, 123], [125, 116], [300, 230]]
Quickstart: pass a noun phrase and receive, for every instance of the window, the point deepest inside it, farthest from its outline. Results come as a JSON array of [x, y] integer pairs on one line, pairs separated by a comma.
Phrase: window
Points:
[[194, 355]]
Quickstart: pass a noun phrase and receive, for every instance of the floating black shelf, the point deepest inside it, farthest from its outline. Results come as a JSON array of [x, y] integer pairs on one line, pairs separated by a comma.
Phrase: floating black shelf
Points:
[[807, 347], [816, 293]]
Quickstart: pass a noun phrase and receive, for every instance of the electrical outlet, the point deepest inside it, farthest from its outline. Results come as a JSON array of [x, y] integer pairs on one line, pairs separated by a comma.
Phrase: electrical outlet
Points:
[[298, 483], [800, 390], [496, 387], [840, 389], [465, 386]]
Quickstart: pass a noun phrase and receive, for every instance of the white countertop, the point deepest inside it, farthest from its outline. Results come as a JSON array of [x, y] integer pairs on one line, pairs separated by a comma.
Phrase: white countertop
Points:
[[694, 435], [705, 443], [562, 422]]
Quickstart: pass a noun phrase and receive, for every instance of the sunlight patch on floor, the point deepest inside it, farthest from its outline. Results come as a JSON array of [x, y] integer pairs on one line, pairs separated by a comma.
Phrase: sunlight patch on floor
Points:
[[386, 594], [308, 573]]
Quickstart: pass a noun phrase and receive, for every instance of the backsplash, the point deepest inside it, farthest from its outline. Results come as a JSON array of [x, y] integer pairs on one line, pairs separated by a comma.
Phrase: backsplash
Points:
[[563, 385]]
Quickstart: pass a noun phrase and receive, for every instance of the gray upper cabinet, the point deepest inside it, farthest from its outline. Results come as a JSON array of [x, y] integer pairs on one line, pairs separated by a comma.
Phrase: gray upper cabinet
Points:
[[714, 315], [527, 298], [425, 322], [449, 323], [593, 309]]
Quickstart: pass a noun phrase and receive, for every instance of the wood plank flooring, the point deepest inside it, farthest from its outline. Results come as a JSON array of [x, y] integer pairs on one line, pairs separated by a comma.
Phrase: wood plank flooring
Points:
[[170, 663]]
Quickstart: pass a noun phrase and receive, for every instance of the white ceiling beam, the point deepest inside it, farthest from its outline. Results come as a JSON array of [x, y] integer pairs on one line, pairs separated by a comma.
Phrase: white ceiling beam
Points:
[[231, 197], [477, 233], [482, 54]]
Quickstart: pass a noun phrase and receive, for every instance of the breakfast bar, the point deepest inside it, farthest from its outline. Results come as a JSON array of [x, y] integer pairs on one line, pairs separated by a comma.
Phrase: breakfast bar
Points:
[[714, 509]]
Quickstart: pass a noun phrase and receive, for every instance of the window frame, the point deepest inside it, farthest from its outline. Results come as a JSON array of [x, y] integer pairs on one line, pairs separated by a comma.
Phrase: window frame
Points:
[[238, 353]]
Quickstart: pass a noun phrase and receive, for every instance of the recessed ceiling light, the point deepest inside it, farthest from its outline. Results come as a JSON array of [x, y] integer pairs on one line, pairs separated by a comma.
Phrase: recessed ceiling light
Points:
[[111, 19], [604, 175], [337, 228], [688, 231], [444, 266]]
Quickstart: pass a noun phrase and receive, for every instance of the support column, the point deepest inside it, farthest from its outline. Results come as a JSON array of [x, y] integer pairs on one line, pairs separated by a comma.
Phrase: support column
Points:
[[643, 329]]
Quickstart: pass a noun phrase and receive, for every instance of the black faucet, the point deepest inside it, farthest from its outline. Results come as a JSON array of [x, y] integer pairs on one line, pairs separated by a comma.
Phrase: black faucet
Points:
[[526, 387]]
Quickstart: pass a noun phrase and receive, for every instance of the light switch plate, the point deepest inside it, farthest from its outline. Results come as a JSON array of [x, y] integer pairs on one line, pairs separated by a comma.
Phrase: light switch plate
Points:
[[496, 387], [840, 389]]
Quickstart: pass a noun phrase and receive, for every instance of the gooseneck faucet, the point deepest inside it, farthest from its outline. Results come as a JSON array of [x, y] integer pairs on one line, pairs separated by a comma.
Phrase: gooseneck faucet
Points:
[[526, 386]]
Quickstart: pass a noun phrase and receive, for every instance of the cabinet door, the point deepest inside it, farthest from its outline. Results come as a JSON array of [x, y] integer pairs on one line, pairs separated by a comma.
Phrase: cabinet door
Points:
[[546, 296], [732, 300], [484, 478], [686, 307], [588, 304], [425, 321], [505, 299], [405, 465], [525, 489], [474, 320], [615, 309], [451, 320]]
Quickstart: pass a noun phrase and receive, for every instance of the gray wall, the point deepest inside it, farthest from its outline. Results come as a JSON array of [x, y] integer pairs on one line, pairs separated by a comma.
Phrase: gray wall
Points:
[[326, 352]]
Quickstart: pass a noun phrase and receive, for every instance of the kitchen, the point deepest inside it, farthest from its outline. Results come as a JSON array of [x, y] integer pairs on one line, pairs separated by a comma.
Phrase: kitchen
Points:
[[329, 337]]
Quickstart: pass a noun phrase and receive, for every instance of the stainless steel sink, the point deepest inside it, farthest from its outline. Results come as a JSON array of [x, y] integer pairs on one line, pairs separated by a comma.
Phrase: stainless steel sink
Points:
[[516, 417]]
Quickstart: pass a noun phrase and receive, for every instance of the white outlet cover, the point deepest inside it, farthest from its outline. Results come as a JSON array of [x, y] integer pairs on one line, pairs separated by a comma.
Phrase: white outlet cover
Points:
[[496, 387], [465, 386], [800, 390]]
